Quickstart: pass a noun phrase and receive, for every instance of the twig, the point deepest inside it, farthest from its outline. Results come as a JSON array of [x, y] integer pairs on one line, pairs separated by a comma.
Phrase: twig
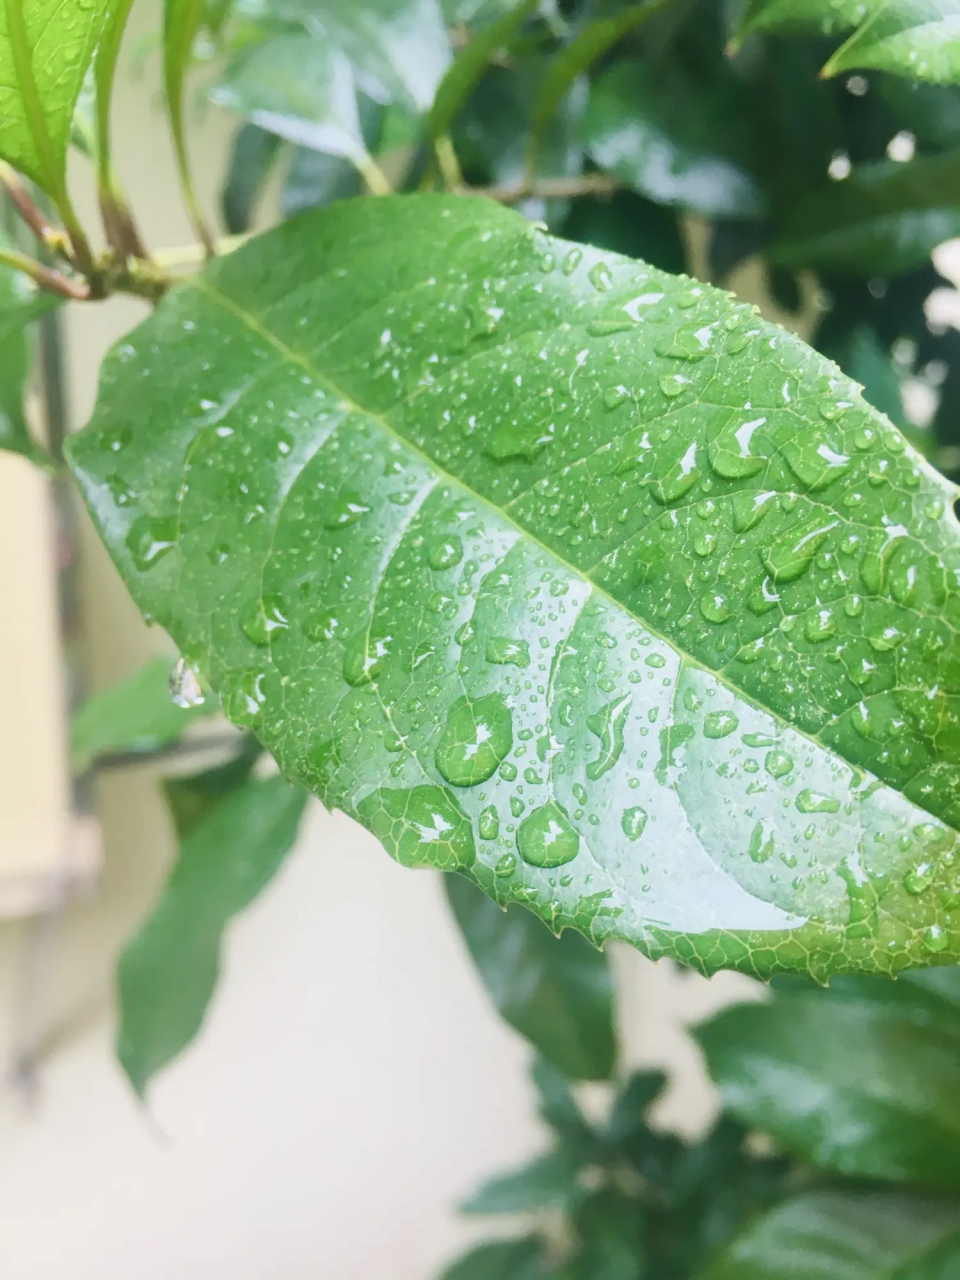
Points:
[[590, 184], [45, 277], [30, 211]]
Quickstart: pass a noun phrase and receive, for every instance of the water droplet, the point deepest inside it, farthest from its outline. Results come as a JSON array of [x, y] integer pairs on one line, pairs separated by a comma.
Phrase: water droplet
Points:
[[185, 688], [608, 725], [572, 261], [935, 939], [714, 607], [614, 396], [506, 864], [151, 539], [778, 764], [677, 479], [115, 439], [347, 510], [503, 651], [420, 827], [489, 824], [545, 838], [517, 806], [792, 554], [445, 553], [820, 626], [672, 385], [633, 822], [750, 508], [655, 660], [363, 659], [262, 620], [508, 771], [809, 801], [853, 607], [762, 845], [600, 276], [243, 697], [323, 626], [475, 740], [815, 465], [719, 724], [919, 879], [729, 452]]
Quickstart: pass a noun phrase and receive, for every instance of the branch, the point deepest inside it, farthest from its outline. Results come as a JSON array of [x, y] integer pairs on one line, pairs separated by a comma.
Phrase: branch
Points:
[[590, 184], [45, 277], [30, 212]]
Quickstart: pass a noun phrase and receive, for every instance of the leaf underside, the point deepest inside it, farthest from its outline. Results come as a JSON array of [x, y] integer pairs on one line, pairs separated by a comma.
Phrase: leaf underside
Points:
[[558, 571]]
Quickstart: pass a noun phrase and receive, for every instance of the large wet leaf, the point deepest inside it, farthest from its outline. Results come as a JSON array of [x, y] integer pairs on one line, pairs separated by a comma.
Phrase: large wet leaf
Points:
[[557, 571], [45, 49], [864, 1079], [557, 992], [847, 1235], [169, 970]]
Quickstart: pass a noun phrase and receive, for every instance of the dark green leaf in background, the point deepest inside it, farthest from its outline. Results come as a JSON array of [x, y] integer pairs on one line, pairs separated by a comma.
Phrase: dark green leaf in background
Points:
[[20, 304], [443, 472], [673, 140], [881, 221], [549, 1182], [251, 159], [138, 714], [843, 1235], [500, 1260], [864, 1079], [168, 971], [555, 991]]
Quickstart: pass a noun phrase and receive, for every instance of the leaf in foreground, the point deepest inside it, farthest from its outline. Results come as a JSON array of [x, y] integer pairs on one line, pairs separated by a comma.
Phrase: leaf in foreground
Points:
[[856, 1235], [168, 971], [864, 1079], [555, 991], [560, 572]]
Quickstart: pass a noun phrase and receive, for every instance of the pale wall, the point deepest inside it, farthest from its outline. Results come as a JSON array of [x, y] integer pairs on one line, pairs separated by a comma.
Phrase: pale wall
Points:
[[352, 1082]]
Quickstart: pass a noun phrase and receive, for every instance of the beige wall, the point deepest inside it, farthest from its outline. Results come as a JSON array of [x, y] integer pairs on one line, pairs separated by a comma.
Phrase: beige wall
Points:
[[352, 1082]]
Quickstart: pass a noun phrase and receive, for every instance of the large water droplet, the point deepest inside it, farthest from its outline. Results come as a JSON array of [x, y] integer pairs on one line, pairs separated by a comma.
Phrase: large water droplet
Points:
[[815, 465], [475, 740], [608, 725], [678, 479], [762, 845], [919, 878], [719, 724], [445, 553], [729, 452], [185, 688], [750, 508], [820, 626], [545, 838], [778, 764], [243, 698], [633, 822], [809, 801], [503, 651], [714, 607], [792, 554], [262, 620], [150, 539], [489, 824], [363, 659], [323, 626], [600, 276], [420, 827], [347, 510]]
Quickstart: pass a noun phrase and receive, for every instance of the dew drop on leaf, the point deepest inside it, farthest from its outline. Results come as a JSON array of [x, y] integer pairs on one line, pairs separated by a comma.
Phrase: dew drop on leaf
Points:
[[545, 838], [489, 824], [185, 688], [810, 801], [503, 651], [262, 620], [633, 821], [719, 724], [475, 740], [778, 764], [151, 539], [445, 553], [420, 827]]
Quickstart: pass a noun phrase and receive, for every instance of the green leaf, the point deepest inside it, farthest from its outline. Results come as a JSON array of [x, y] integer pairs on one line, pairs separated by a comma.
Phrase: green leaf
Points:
[[251, 159], [557, 992], [465, 72], [626, 223], [843, 1235], [138, 714], [300, 89], [865, 1080], [192, 797], [437, 463], [181, 21], [45, 49], [919, 38], [20, 304], [867, 363], [549, 1182], [673, 139], [169, 970], [610, 1227], [883, 220], [827, 17], [558, 1108], [398, 48], [500, 1260], [105, 70], [589, 44], [316, 179]]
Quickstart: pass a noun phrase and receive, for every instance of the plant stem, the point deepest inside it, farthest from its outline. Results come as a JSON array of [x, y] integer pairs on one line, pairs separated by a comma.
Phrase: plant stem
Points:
[[45, 277], [448, 163], [377, 182], [589, 184], [31, 213]]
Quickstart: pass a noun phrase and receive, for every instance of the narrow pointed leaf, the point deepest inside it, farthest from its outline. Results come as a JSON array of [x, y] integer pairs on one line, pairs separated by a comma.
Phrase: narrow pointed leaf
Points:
[[464, 73], [297, 88], [105, 72], [418, 470], [845, 1235], [169, 970], [864, 1083], [137, 714], [251, 159], [883, 220], [549, 1182], [827, 17], [500, 1260], [45, 49], [555, 991], [20, 304]]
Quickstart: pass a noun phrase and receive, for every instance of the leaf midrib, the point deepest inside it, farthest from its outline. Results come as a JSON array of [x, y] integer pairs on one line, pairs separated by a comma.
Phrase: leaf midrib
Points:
[[202, 285]]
